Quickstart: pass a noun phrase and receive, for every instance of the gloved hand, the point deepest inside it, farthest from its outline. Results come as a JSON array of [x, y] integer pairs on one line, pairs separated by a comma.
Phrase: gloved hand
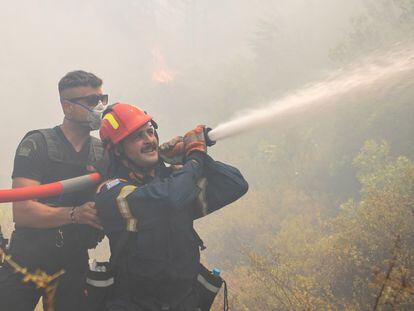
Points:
[[195, 140], [172, 151]]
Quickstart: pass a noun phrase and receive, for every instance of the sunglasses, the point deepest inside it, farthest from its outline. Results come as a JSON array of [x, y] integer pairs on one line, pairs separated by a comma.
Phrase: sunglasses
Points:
[[91, 100]]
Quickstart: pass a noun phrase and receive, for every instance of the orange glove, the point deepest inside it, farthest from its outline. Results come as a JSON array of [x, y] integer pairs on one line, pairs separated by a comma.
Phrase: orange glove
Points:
[[172, 151], [195, 140]]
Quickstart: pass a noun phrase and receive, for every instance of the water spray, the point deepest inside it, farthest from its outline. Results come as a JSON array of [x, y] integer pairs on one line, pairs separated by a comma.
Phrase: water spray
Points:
[[372, 72]]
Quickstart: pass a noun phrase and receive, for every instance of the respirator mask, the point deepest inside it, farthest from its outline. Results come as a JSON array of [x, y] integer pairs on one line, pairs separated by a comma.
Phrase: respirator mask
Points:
[[95, 105]]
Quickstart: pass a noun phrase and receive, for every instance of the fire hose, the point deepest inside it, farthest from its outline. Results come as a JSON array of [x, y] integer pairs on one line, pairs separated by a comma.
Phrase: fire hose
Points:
[[60, 187], [49, 190]]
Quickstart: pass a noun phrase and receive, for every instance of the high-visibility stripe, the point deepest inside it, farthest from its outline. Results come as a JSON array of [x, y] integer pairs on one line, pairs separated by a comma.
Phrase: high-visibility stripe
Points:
[[110, 118], [123, 206], [201, 199], [100, 283], [207, 285]]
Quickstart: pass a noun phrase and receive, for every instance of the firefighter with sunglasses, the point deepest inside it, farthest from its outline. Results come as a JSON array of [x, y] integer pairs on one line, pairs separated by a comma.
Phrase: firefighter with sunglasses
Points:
[[55, 233], [147, 211]]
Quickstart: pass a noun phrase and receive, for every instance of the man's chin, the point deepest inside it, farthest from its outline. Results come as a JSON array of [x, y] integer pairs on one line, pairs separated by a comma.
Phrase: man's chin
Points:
[[150, 162]]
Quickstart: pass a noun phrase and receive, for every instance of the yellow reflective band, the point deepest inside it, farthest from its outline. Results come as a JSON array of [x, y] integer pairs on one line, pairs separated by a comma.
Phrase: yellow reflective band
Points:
[[201, 199], [110, 118], [123, 206]]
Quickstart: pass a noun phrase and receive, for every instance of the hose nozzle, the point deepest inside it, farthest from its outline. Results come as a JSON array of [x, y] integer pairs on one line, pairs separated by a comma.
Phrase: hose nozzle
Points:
[[209, 141]]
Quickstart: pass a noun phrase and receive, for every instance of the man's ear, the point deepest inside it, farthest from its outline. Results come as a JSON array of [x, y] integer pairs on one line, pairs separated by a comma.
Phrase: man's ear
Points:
[[66, 107]]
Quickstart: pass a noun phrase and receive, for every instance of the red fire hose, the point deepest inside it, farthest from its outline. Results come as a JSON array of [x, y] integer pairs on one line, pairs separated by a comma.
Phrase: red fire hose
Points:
[[49, 190]]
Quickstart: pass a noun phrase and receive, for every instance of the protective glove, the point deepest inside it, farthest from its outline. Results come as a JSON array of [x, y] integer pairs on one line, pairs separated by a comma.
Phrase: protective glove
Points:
[[172, 151], [195, 140]]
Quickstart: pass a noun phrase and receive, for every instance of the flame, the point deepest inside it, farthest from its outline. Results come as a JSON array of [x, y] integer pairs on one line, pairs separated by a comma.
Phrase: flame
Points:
[[161, 73]]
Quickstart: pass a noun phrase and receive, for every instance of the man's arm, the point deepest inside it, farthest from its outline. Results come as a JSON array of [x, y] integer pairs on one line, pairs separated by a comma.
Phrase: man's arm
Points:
[[222, 185], [33, 214], [119, 201], [29, 169], [175, 191]]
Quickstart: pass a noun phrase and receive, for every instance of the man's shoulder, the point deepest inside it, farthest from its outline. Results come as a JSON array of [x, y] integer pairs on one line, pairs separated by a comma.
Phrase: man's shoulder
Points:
[[34, 135], [33, 141], [39, 136], [112, 188]]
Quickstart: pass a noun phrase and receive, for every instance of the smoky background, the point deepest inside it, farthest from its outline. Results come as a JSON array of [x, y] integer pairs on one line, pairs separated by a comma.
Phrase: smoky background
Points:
[[180, 60], [189, 62]]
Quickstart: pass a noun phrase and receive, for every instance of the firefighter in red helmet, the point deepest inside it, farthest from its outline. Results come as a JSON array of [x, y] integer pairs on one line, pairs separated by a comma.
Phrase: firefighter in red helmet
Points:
[[147, 211], [120, 120]]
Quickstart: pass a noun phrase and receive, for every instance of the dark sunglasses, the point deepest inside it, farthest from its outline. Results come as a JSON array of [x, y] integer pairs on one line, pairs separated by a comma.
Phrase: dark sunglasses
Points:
[[91, 100]]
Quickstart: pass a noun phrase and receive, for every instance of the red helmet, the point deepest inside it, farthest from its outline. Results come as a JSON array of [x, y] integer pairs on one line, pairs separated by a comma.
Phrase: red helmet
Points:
[[120, 120]]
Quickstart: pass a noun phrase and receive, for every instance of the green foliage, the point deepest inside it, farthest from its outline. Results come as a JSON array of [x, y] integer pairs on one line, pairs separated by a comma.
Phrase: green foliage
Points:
[[311, 261]]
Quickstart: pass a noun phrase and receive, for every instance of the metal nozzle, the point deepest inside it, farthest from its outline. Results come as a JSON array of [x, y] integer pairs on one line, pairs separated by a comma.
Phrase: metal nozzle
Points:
[[209, 141]]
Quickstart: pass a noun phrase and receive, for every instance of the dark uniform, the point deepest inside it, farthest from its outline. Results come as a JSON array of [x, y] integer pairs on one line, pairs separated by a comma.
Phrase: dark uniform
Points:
[[161, 259], [47, 156]]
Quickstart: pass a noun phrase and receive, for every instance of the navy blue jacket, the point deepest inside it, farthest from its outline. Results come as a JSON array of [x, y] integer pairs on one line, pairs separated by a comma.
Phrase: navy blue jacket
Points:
[[159, 213]]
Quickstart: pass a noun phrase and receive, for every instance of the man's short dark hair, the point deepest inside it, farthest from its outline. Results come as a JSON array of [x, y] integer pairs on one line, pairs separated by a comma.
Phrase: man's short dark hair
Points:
[[79, 78]]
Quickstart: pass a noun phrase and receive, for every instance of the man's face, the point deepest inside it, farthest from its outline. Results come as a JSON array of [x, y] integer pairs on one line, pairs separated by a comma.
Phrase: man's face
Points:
[[141, 147], [81, 95]]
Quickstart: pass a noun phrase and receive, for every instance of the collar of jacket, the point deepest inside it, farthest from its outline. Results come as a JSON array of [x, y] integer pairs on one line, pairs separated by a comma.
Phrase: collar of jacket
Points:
[[139, 177]]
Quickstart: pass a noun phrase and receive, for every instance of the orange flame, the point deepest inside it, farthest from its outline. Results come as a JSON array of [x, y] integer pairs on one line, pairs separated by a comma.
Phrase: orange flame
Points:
[[161, 73]]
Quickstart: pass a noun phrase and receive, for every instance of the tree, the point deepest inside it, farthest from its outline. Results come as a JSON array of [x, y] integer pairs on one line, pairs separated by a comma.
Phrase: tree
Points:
[[361, 257]]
